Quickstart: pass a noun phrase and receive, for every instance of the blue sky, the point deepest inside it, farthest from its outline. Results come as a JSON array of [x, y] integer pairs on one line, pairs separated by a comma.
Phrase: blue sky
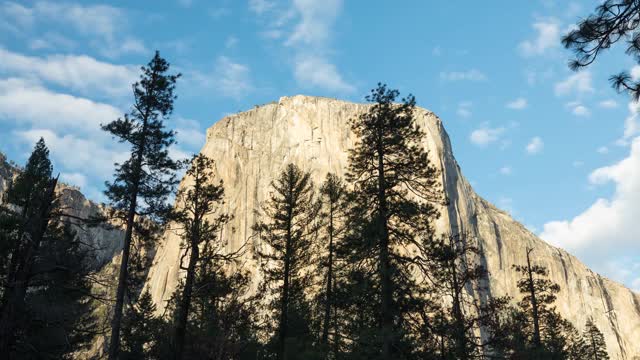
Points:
[[557, 149]]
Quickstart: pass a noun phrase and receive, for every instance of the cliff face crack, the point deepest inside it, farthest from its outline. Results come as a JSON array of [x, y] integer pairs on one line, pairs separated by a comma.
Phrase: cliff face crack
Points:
[[611, 314]]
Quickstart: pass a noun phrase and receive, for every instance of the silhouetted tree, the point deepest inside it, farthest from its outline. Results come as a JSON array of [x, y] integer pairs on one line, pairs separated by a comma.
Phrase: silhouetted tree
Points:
[[612, 21], [594, 346], [539, 292], [141, 330], [287, 228], [143, 182], [334, 212], [222, 317], [200, 221], [45, 291], [389, 168], [454, 271]]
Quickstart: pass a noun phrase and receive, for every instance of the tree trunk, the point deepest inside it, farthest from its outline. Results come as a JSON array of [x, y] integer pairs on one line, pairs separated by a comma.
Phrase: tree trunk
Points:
[[329, 295], [114, 344], [458, 316], [284, 302], [385, 276], [183, 311], [534, 306]]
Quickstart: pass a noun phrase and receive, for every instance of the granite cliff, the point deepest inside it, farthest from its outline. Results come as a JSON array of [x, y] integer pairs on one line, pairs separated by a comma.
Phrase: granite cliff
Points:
[[252, 147]]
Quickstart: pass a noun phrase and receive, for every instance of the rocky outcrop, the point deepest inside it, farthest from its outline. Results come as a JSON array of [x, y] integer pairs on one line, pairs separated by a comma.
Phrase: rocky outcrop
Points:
[[252, 147]]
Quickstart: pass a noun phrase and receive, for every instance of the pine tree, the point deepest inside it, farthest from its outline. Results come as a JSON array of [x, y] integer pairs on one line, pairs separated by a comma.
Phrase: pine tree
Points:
[[33, 196], [143, 182], [46, 288], [612, 21], [141, 330], [221, 323], [334, 212], [539, 292], [197, 204], [389, 167], [287, 229], [453, 268], [595, 347]]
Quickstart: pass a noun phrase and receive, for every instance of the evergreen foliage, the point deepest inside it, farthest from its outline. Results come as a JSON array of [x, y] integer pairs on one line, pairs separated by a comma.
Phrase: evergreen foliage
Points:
[[389, 168], [288, 228], [612, 21], [144, 181], [45, 292]]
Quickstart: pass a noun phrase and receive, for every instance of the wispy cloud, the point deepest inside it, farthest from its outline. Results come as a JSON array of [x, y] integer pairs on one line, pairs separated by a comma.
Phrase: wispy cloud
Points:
[[578, 83], [578, 109], [106, 26], [468, 75], [306, 28], [25, 102], [82, 73], [517, 104], [535, 145], [608, 104], [232, 78], [317, 72], [485, 135], [547, 37], [464, 109]]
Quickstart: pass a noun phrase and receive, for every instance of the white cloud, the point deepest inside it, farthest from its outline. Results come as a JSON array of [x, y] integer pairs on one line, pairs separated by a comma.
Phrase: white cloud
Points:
[[608, 229], [608, 104], [464, 109], [603, 150], [578, 83], [316, 71], [506, 170], [188, 134], [485, 135], [104, 24], [260, 6], [578, 109], [25, 102], [548, 37], [75, 179], [306, 28], [631, 123], [469, 75], [51, 40], [316, 20], [78, 73], [86, 156], [518, 104], [231, 42], [535, 145], [232, 78]]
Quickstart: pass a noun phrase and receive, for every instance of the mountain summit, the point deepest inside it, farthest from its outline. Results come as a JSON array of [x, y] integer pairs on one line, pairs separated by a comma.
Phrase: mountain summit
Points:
[[250, 148]]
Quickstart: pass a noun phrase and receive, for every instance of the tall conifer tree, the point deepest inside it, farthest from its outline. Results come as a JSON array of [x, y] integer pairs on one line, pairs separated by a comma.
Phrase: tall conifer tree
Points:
[[45, 275], [197, 204], [143, 182], [334, 213], [594, 346], [288, 228], [397, 185]]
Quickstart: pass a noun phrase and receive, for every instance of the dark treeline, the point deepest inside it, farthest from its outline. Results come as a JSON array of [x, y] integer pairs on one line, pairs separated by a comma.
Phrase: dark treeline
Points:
[[349, 268]]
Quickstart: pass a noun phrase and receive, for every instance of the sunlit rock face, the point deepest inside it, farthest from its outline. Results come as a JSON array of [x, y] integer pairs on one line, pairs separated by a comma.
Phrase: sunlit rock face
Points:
[[251, 148]]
